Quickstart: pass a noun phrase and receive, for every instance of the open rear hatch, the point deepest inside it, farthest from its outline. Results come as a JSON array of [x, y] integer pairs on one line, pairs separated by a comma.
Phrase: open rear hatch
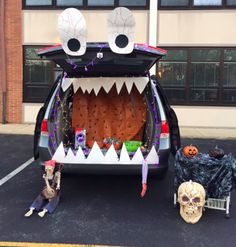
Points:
[[99, 60]]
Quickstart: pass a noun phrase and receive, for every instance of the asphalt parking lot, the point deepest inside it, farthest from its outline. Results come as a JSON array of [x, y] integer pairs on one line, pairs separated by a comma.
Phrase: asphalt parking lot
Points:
[[104, 210]]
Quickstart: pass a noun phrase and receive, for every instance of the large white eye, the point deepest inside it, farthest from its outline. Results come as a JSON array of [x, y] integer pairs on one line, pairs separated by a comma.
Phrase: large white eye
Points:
[[121, 30], [72, 31]]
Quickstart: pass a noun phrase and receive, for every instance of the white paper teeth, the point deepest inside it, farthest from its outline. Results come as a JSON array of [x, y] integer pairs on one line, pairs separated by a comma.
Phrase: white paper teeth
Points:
[[141, 84], [65, 84], [70, 157], [152, 157], [83, 85], [80, 157], [119, 85], [59, 154], [76, 85], [129, 84], [138, 157], [111, 156], [88, 86], [107, 84], [97, 157], [124, 156], [96, 83]]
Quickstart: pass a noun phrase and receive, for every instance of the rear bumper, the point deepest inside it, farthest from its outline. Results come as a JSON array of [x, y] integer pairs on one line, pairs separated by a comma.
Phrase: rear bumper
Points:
[[111, 168]]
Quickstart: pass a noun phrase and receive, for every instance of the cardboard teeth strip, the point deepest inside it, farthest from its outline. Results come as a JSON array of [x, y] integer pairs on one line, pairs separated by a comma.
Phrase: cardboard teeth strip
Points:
[[97, 157], [89, 84], [129, 84], [119, 85]]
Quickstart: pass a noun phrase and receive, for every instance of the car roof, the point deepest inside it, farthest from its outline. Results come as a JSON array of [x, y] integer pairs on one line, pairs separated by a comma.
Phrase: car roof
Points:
[[99, 60]]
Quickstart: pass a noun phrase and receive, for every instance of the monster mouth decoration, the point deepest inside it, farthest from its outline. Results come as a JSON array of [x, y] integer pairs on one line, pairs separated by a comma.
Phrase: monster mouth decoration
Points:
[[109, 106], [96, 156], [96, 84], [111, 93]]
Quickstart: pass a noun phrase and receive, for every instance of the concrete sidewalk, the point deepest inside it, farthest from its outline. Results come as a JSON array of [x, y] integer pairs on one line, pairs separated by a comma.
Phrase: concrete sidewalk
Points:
[[18, 129], [186, 132]]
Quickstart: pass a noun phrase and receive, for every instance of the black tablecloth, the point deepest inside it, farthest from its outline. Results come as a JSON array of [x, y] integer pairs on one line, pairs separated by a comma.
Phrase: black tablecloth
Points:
[[217, 176]]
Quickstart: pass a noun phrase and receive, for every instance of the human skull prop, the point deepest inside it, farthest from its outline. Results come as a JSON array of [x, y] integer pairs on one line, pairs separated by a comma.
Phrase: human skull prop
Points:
[[191, 197]]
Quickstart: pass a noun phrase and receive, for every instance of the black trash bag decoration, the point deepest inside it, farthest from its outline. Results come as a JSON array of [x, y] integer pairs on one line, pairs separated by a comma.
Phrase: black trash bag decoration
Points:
[[216, 175]]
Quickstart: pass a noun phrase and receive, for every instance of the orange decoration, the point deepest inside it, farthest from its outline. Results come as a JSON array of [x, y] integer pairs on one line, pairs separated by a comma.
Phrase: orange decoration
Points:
[[117, 146], [190, 151]]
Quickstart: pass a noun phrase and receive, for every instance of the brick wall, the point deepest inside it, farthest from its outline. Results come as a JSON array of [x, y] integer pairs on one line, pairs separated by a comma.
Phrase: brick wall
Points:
[[0, 104], [1, 72], [13, 40]]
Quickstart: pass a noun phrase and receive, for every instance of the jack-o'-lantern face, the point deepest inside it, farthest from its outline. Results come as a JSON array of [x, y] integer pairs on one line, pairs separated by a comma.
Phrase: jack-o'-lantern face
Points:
[[190, 151]]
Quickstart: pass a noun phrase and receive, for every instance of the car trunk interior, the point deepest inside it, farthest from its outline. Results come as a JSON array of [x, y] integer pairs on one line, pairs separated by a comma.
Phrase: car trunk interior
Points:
[[127, 115], [121, 116]]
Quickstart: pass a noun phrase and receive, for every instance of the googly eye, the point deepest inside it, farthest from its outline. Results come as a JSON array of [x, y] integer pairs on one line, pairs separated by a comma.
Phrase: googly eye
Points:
[[121, 30], [73, 32]]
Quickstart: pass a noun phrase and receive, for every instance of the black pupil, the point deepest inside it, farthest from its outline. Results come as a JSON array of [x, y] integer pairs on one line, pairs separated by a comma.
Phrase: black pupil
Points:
[[73, 44], [122, 41]]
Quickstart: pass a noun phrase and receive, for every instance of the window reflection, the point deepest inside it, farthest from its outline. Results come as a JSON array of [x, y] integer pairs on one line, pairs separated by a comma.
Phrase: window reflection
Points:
[[231, 2], [38, 76], [69, 2], [207, 2], [229, 74], [204, 95], [177, 95], [205, 74], [199, 76], [174, 2], [38, 2], [132, 2], [100, 2], [229, 96], [172, 74]]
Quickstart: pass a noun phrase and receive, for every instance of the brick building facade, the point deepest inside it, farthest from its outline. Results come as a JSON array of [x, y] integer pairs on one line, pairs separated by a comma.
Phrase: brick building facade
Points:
[[14, 66]]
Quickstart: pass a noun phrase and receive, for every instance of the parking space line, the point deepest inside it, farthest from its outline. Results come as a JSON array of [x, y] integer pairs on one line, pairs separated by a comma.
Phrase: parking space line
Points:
[[21, 244], [16, 171]]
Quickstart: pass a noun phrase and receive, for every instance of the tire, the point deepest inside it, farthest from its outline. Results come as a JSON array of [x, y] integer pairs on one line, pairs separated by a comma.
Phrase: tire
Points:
[[37, 131]]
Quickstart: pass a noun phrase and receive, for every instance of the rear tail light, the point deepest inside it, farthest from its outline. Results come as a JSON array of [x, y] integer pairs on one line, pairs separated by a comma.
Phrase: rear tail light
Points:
[[164, 129], [44, 127]]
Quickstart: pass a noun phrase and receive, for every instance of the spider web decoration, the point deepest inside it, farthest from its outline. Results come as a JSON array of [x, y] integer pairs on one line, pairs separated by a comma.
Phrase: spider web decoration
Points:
[[121, 30], [73, 32]]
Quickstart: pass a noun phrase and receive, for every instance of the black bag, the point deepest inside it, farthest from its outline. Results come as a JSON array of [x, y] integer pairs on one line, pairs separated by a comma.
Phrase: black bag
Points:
[[217, 176]]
